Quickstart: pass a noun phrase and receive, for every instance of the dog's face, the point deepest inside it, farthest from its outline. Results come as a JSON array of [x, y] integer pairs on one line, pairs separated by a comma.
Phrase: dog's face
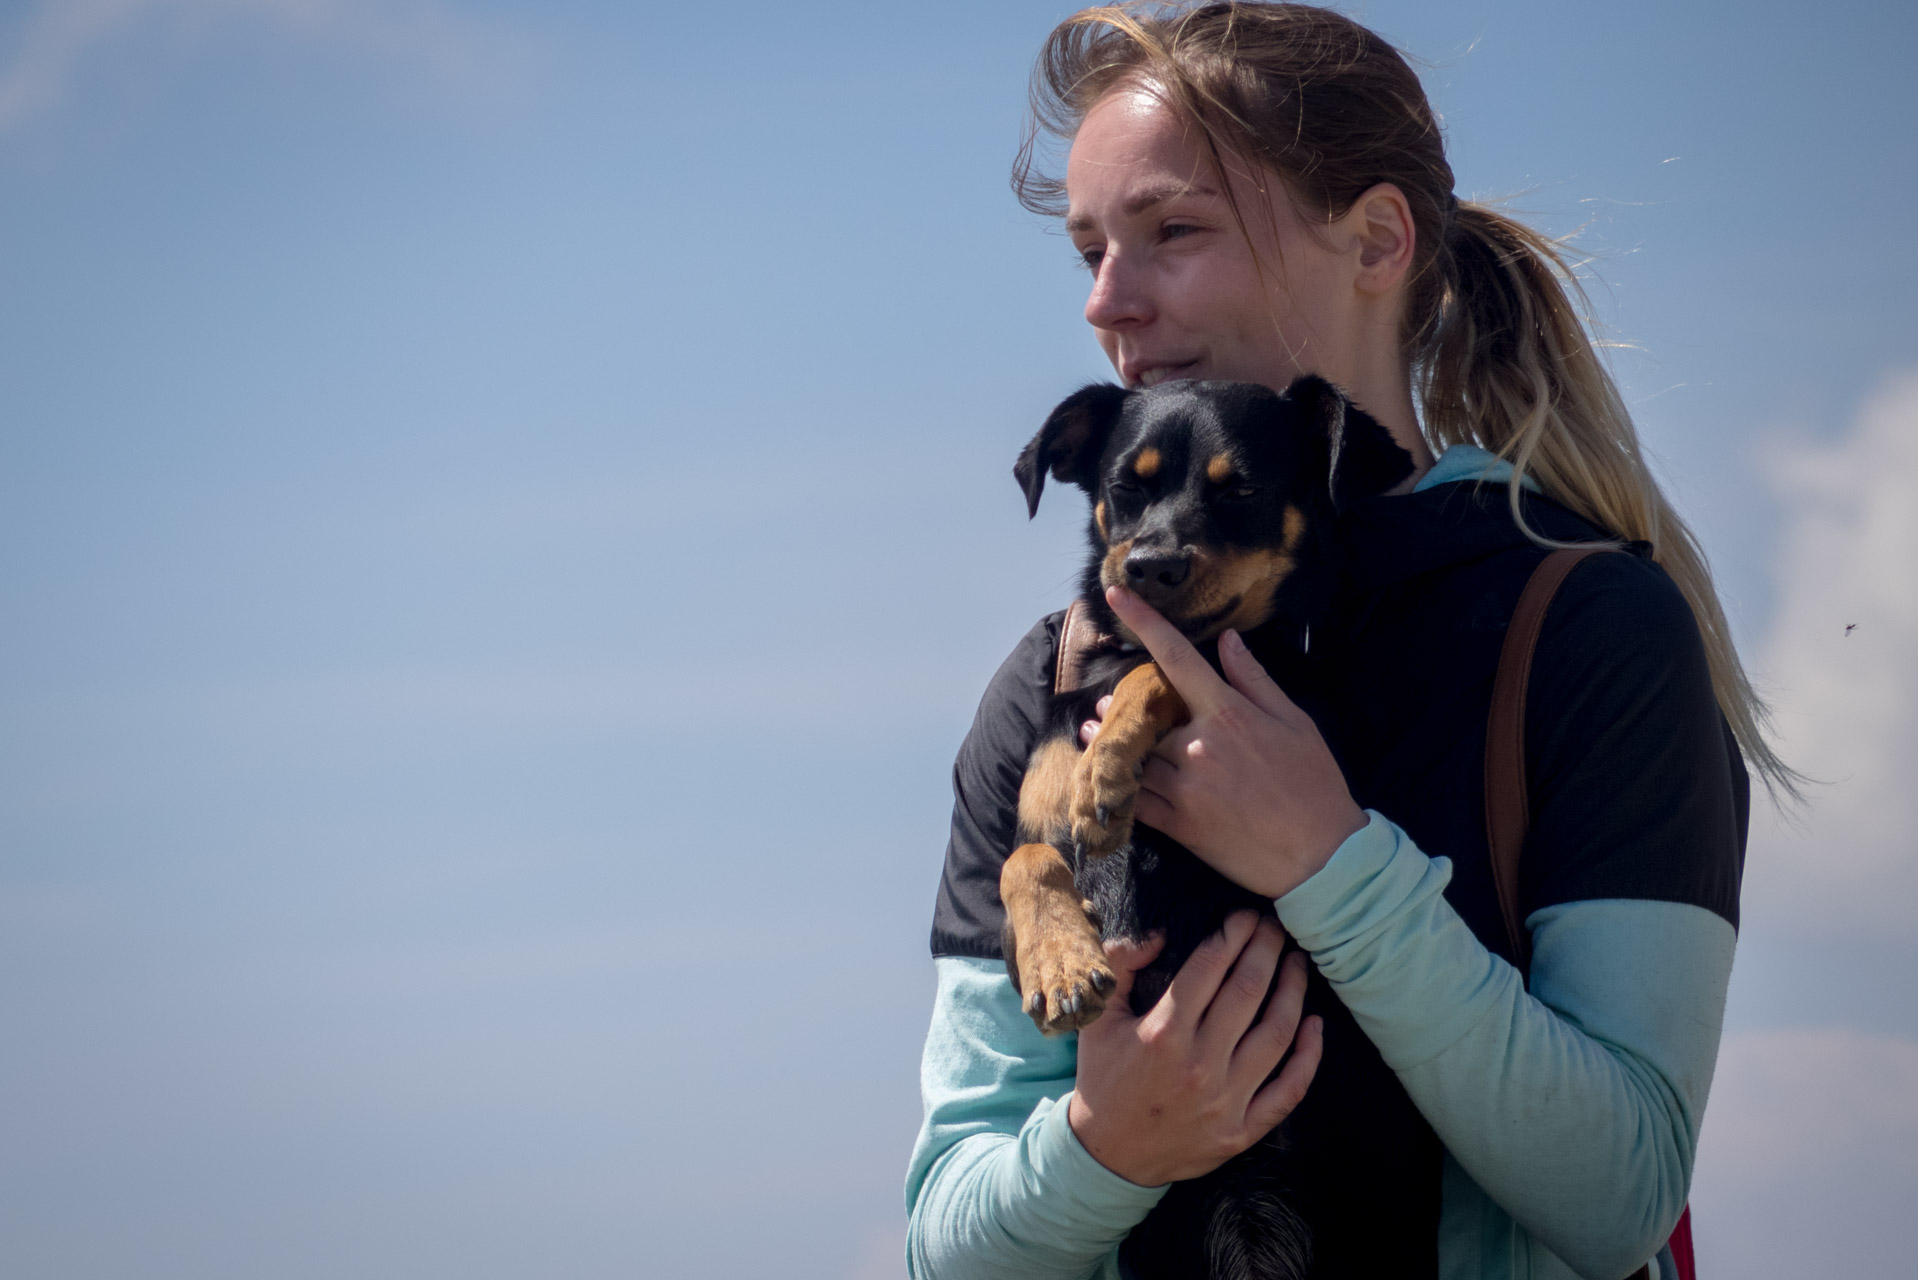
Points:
[[1205, 494]]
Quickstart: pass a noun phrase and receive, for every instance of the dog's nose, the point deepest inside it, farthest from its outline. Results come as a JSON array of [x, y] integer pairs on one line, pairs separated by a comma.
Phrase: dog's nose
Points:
[[1149, 572]]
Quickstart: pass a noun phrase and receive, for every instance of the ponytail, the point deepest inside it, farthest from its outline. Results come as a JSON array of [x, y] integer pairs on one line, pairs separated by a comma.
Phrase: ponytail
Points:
[[1506, 363]]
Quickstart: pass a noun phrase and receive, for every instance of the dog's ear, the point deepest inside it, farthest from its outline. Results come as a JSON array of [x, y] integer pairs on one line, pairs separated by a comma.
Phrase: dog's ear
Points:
[[1071, 442], [1361, 457]]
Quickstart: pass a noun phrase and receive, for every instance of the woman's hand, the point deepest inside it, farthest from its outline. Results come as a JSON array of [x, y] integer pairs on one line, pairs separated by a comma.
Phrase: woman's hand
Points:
[[1177, 1093], [1247, 784]]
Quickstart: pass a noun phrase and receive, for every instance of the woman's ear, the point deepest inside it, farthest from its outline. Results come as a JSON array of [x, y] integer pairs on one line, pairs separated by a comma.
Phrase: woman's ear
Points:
[[1071, 442], [1380, 222], [1360, 456]]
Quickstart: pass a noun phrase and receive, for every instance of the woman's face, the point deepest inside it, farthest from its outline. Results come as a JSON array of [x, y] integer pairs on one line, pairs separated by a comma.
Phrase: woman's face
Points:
[[1175, 289]]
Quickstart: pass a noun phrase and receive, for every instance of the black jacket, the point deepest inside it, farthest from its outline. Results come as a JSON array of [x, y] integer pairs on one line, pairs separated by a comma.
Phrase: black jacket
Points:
[[1637, 788]]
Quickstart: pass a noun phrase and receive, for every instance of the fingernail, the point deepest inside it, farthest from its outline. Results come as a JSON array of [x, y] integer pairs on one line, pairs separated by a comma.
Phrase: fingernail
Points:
[[1231, 638]]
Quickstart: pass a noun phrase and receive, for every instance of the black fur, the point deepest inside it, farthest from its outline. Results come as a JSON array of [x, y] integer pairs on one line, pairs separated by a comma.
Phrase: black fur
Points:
[[1310, 452]]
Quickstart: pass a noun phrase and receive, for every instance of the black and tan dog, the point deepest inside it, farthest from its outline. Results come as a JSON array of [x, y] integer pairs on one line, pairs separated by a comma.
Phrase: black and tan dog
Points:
[[1215, 502]]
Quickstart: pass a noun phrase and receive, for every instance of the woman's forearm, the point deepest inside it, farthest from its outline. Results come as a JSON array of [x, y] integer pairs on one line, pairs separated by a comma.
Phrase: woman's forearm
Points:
[[998, 1185], [1574, 1107]]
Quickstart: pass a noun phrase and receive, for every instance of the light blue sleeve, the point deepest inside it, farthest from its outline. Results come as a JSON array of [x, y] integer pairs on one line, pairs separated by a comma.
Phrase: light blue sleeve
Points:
[[998, 1186], [1575, 1108]]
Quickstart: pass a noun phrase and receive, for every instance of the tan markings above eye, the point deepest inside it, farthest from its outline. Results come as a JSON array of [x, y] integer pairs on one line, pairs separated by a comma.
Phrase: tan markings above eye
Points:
[[1146, 465], [1219, 469], [1294, 526], [1099, 518]]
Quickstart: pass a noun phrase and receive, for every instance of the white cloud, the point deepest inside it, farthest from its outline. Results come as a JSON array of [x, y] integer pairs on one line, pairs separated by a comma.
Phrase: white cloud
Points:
[[52, 43], [1809, 1160], [1841, 658]]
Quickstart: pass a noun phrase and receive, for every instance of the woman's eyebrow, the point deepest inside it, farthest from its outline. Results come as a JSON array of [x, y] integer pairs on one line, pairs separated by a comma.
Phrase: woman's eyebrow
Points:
[[1139, 201]]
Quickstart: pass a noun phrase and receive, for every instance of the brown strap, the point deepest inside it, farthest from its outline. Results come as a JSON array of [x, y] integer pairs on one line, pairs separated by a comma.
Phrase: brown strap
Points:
[[1507, 812], [1077, 638]]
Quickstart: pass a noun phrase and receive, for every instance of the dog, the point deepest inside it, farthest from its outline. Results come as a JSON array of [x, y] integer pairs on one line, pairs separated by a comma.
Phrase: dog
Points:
[[1217, 503]]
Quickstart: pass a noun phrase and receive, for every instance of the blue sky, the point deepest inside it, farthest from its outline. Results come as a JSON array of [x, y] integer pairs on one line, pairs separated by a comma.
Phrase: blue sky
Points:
[[505, 512]]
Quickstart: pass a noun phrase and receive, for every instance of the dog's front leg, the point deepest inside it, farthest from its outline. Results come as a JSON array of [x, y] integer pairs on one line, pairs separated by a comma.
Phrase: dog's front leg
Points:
[[1051, 945], [1145, 707]]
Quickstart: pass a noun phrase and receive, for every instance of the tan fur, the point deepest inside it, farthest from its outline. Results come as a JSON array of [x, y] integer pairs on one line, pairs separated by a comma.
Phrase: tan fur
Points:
[[1112, 568], [1146, 465], [1099, 518], [1219, 469], [1052, 946], [1105, 785], [1046, 791], [1241, 584]]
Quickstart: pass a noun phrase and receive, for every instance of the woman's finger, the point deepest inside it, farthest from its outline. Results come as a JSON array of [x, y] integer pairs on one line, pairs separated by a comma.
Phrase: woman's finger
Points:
[[1127, 957], [1160, 776], [1281, 1098], [1173, 746], [1090, 729], [1192, 988], [1157, 812], [1242, 992], [1204, 692], [1266, 1043]]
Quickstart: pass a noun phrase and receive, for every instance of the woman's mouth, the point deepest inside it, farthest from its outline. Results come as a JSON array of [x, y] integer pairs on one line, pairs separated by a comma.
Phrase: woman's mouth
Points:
[[1154, 375]]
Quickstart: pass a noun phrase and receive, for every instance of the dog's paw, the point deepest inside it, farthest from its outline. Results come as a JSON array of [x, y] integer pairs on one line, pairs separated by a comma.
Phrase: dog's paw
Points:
[[1104, 790], [1064, 976]]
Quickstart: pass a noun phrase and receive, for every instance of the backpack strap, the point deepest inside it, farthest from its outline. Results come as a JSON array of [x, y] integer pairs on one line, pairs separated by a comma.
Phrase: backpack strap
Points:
[[1507, 807], [1508, 813]]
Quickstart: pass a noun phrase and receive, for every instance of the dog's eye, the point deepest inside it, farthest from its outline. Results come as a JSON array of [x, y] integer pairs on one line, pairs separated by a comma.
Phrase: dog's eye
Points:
[[1126, 486], [1240, 494]]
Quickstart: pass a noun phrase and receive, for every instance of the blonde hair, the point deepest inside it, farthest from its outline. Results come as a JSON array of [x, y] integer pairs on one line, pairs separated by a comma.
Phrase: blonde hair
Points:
[[1494, 323]]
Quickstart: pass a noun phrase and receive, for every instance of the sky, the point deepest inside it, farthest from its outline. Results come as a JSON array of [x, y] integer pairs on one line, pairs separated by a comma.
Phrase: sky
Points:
[[505, 513]]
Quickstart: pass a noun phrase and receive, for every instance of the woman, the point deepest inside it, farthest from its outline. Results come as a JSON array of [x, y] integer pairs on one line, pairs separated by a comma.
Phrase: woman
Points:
[[1260, 191]]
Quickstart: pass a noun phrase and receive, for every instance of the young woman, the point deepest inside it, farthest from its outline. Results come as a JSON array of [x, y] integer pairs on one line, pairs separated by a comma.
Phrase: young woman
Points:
[[1260, 191]]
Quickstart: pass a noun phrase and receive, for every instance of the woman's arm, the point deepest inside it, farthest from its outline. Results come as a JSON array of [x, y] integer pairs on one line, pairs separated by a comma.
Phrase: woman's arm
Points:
[[1575, 1107], [1157, 1098], [998, 1185]]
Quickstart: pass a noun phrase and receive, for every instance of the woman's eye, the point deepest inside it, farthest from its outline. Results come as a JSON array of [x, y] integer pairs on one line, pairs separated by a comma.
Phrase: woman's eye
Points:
[[1176, 230], [1090, 258]]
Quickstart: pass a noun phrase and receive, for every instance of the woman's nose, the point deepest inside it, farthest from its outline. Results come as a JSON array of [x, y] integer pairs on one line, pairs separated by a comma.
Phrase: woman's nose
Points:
[[1118, 298]]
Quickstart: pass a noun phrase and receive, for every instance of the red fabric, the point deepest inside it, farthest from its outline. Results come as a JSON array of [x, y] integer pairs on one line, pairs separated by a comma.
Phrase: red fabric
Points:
[[1682, 1246]]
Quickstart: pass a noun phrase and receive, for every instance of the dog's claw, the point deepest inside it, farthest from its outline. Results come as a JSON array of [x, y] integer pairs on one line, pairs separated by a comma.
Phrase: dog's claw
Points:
[[1035, 1002], [1103, 813], [1101, 981]]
